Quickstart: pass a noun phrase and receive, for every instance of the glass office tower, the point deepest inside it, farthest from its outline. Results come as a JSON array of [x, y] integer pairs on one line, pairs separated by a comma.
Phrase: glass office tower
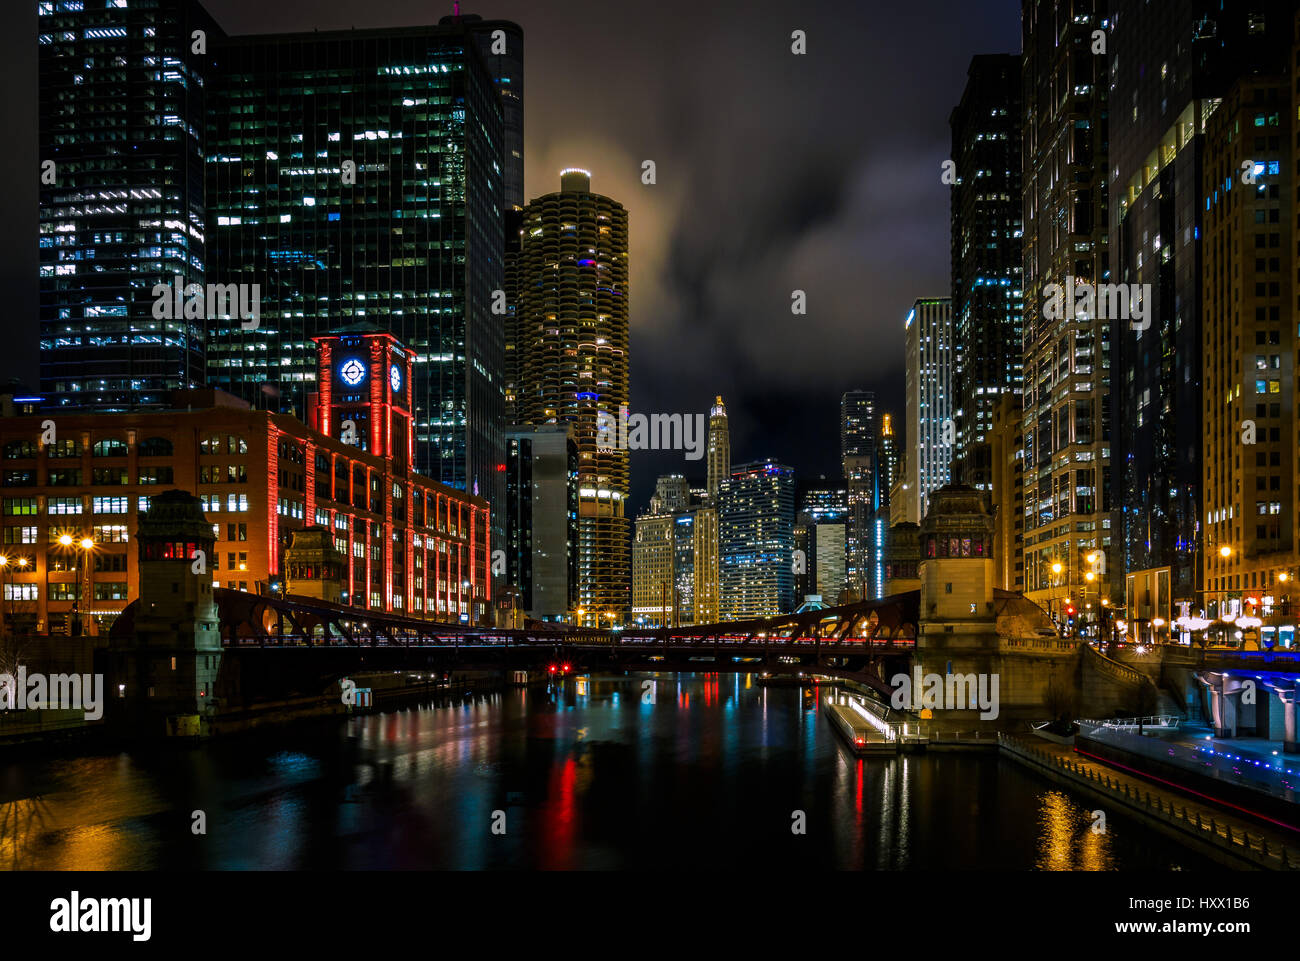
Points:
[[122, 97], [756, 541], [356, 177]]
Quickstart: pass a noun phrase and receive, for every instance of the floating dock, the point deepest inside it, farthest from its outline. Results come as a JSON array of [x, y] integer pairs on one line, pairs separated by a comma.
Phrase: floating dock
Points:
[[868, 733]]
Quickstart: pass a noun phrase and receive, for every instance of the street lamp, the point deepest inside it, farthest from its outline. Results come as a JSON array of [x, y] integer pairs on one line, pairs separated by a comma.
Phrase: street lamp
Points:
[[86, 545], [1056, 582], [4, 568]]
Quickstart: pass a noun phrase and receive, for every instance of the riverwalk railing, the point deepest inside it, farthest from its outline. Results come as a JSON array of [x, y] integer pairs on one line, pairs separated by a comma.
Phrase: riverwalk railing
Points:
[[1278, 777], [1157, 722], [1255, 847]]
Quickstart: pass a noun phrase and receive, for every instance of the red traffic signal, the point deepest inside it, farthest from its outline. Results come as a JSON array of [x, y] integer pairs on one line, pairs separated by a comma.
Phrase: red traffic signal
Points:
[[565, 669], [551, 668], [1070, 611]]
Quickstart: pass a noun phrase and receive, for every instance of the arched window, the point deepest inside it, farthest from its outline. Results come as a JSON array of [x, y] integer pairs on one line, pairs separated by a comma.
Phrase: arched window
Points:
[[155, 447], [109, 447]]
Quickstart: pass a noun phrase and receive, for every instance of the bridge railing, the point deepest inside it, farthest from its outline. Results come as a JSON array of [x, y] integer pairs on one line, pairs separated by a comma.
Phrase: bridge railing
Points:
[[462, 639]]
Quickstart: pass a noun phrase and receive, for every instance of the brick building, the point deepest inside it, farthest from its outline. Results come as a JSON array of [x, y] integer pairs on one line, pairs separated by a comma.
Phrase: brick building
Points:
[[70, 499]]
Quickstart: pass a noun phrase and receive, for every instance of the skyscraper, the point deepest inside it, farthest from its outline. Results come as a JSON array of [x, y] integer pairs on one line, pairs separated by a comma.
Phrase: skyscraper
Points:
[[756, 541], [986, 255], [928, 371], [887, 473], [1067, 409], [542, 519], [1251, 500], [858, 460], [123, 91], [356, 175], [887, 457], [675, 559], [1171, 65], [1007, 444], [501, 43], [572, 361], [820, 533], [719, 447]]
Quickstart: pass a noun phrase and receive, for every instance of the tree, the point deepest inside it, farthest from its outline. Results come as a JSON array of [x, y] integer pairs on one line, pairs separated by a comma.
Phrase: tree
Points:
[[1059, 701]]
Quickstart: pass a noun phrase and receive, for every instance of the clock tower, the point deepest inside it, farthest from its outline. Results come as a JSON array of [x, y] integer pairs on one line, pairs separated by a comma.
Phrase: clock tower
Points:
[[364, 399]]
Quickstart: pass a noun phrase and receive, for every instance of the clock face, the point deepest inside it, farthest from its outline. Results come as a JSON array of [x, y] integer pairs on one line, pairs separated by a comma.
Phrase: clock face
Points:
[[395, 378], [352, 372]]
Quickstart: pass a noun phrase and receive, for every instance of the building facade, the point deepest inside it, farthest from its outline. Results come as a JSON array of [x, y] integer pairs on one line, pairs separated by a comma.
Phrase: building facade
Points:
[[122, 211], [1068, 406], [675, 558], [542, 519], [928, 370], [1006, 443], [820, 532], [1171, 66], [1249, 358], [501, 43], [858, 459], [412, 545], [756, 541], [987, 285]]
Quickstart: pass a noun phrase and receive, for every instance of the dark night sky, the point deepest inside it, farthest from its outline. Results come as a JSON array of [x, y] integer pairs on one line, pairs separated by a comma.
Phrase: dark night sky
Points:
[[775, 172]]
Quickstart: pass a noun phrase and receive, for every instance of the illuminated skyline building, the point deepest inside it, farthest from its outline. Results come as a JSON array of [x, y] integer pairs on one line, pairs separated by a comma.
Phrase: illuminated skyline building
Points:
[[121, 119], [571, 346]]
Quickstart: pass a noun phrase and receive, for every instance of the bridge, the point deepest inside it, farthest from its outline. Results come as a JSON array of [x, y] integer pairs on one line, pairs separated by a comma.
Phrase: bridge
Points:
[[854, 641]]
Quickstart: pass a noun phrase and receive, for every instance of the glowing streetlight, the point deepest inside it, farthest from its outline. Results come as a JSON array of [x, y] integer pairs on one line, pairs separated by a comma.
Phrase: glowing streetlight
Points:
[[1090, 576], [87, 544], [1284, 577], [1225, 551], [1056, 567], [65, 540]]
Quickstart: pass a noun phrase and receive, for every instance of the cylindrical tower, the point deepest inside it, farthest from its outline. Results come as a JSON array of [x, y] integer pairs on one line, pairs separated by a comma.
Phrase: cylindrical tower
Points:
[[572, 361]]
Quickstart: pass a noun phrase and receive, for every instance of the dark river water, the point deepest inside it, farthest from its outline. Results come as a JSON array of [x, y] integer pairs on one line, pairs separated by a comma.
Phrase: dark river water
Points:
[[587, 775]]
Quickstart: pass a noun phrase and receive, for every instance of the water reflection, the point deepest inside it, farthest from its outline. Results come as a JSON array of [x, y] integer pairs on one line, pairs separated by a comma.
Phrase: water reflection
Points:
[[592, 773]]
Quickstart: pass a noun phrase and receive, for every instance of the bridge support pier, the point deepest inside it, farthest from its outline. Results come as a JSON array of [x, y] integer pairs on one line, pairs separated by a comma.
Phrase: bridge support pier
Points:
[[1289, 742], [163, 670], [1224, 694]]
